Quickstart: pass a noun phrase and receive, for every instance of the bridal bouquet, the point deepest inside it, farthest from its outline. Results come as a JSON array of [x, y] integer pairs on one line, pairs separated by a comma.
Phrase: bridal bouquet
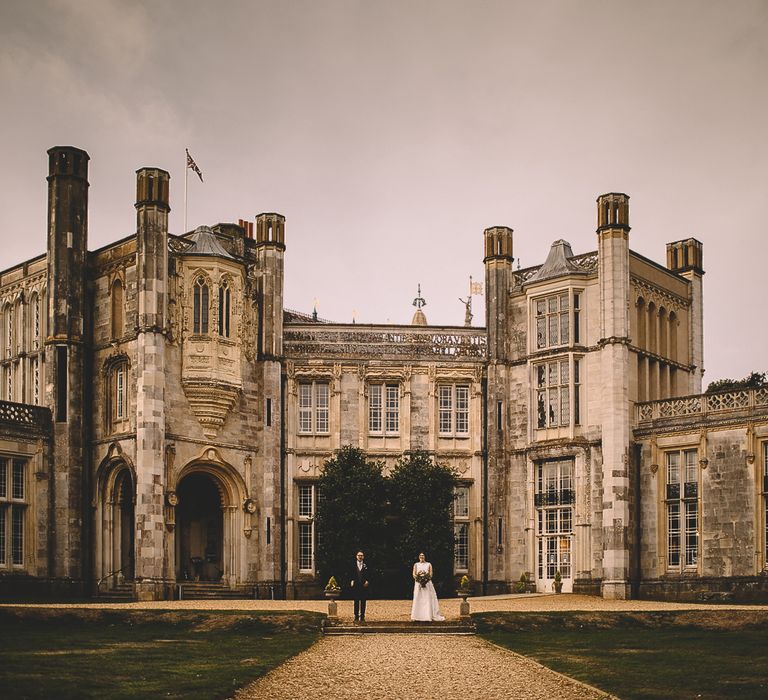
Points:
[[423, 577]]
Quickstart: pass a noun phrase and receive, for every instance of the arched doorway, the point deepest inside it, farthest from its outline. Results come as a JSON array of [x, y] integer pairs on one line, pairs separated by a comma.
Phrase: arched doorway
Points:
[[124, 528], [200, 527], [115, 521]]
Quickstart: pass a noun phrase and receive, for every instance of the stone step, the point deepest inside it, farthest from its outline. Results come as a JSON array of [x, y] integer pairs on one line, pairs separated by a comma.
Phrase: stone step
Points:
[[397, 627], [212, 591]]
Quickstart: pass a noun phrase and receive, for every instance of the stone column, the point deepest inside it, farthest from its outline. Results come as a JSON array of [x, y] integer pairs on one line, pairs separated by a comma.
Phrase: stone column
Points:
[[613, 250], [153, 580]]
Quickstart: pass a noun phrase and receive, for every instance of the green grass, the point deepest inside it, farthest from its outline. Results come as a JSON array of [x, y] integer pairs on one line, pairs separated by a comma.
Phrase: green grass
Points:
[[130, 654], [639, 657]]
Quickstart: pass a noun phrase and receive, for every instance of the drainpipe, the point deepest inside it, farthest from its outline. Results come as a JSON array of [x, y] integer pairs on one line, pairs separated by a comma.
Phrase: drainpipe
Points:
[[485, 484], [283, 538]]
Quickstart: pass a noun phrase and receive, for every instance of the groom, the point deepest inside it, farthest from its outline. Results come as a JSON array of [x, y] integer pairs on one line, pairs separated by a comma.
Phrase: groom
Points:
[[359, 584]]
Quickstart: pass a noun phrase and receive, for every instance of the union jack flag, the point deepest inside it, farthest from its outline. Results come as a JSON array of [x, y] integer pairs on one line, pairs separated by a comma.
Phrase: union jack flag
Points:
[[192, 165]]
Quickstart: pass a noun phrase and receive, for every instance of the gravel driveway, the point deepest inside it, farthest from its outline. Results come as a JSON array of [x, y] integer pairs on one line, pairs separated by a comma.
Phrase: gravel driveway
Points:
[[422, 666]]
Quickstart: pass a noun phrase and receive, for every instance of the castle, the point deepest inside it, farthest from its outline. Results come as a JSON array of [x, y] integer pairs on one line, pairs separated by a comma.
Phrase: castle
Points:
[[163, 417]]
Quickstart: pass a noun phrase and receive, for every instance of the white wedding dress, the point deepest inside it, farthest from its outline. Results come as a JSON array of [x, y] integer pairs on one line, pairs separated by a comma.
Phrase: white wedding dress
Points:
[[425, 607]]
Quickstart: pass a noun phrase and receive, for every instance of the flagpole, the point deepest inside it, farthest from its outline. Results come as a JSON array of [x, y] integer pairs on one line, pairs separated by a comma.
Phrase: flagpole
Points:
[[186, 175]]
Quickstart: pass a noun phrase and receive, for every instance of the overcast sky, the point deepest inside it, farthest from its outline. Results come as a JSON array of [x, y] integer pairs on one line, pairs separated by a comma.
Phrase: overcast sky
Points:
[[390, 134]]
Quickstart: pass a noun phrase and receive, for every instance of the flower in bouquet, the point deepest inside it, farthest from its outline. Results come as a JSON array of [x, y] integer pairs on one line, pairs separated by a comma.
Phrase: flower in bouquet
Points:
[[422, 578]]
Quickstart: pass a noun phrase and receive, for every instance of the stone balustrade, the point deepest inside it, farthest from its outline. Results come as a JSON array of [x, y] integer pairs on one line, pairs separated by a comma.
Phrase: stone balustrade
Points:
[[702, 404]]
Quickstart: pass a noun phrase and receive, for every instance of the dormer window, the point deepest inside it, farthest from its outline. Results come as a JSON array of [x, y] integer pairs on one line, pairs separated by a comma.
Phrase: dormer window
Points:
[[200, 295]]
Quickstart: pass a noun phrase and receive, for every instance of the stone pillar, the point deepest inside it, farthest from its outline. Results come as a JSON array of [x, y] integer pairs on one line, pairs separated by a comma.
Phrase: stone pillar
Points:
[[613, 256], [152, 576], [270, 252], [65, 352]]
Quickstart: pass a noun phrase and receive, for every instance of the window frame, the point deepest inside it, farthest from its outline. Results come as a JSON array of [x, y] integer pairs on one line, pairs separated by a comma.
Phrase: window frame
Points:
[[454, 420], [13, 511], [384, 409], [305, 525], [548, 318], [555, 506], [461, 539], [225, 308], [118, 395], [681, 498], [566, 388], [201, 302], [313, 416]]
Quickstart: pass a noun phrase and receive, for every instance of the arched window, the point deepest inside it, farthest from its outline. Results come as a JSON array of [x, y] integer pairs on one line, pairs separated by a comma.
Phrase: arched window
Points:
[[118, 309], [663, 323], [18, 331], [224, 309], [653, 324], [641, 313], [673, 336], [34, 321], [200, 307], [7, 331], [117, 395]]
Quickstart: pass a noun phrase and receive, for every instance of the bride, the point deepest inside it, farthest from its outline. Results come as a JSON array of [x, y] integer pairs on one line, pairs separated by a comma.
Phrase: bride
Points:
[[425, 607]]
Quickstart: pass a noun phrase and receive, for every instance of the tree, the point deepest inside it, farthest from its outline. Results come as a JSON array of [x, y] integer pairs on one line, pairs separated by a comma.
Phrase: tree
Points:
[[421, 493], [351, 511], [754, 380]]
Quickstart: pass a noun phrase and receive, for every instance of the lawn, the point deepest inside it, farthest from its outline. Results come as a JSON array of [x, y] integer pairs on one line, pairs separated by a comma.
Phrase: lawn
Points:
[[639, 656], [121, 654]]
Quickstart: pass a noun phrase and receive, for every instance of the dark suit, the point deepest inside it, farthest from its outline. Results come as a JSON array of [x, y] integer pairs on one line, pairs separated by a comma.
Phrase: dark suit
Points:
[[359, 578]]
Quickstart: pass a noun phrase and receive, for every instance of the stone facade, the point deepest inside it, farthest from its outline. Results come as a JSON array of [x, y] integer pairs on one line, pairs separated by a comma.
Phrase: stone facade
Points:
[[165, 419]]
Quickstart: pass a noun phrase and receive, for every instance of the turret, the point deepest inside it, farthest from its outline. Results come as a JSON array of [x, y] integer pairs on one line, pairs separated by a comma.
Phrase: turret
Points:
[[613, 272], [65, 350], [270, 249], [498, 279], [686, 258], [154, 566]]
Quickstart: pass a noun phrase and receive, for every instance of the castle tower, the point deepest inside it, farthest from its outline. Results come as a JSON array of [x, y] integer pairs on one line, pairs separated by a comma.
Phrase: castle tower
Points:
[[686, 258], [498, 280], [154, 561], [613, 270], [65, 354], [270, 247]]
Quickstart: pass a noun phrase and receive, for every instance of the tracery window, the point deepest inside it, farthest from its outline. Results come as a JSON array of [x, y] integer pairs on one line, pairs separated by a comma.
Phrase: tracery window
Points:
[[224, 309], [200, 308]]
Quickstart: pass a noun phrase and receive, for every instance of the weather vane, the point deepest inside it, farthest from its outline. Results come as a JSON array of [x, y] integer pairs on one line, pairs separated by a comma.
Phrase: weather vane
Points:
[[418, 302], [474, 288]]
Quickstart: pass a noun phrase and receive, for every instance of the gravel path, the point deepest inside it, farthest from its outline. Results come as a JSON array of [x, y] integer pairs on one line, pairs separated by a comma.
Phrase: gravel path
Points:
[[393, 666]]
